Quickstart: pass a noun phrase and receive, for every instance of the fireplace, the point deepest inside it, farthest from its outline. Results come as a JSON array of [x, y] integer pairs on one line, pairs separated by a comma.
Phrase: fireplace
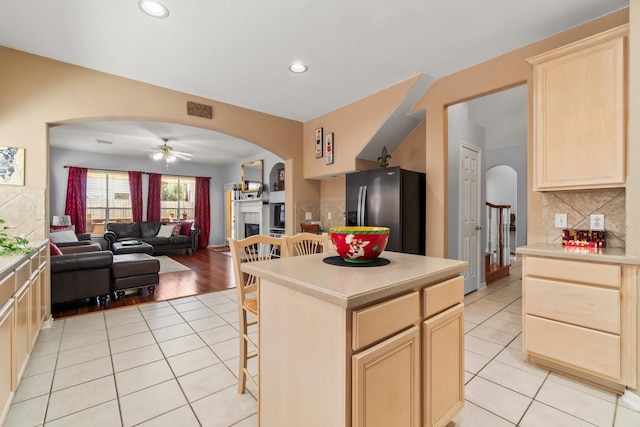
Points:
[[251, 229]]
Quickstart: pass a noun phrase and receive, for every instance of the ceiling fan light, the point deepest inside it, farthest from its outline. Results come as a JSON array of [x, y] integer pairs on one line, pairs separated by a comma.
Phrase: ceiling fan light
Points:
[[157, 155], [170, 158]]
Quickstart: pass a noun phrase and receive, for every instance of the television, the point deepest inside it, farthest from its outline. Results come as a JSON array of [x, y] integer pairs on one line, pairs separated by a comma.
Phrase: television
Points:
[[277, 215]]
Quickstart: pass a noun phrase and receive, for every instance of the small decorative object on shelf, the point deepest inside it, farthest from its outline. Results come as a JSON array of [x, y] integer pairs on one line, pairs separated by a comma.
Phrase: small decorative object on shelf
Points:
[[383, 160], [583, 238]]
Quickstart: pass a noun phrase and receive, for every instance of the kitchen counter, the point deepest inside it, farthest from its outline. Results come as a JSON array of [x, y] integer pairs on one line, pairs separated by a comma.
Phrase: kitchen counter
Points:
[[556, 250], [350, 287], [343, 345]]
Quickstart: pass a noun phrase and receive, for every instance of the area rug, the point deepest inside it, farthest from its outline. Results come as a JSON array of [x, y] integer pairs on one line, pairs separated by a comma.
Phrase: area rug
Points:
[[168, 265]]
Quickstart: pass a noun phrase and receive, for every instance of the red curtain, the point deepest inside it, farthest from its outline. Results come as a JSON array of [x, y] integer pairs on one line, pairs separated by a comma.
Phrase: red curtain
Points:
[[203, 215], [154, 196], [76, 204], [135, 194]]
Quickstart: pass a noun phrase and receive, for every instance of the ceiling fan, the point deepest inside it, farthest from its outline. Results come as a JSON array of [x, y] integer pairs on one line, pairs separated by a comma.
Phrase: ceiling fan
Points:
[[167, 153]]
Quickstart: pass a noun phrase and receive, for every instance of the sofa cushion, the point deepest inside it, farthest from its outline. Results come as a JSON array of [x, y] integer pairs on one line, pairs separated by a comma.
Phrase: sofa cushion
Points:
[[165, 231], [185, 228], [157, 241], [125, 229], [61, 236], [149, 228], [176, 229], [180, 240]]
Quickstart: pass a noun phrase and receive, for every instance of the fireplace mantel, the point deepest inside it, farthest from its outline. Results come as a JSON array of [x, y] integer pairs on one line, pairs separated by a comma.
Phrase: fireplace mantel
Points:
[[251, 211]]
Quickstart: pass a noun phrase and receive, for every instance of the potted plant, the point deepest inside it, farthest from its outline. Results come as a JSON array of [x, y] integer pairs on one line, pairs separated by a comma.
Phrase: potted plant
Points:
[[12, 245]]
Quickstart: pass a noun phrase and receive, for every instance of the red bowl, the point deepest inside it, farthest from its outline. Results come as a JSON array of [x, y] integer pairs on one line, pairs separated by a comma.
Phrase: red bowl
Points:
[[359, 244]]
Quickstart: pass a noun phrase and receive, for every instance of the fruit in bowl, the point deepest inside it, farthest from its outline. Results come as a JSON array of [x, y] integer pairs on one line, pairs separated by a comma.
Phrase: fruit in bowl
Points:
[[359, 244]]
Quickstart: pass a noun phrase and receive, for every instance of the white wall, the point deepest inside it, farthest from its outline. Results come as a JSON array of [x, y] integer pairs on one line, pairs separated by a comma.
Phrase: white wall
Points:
[[461, 129], [58, 180]]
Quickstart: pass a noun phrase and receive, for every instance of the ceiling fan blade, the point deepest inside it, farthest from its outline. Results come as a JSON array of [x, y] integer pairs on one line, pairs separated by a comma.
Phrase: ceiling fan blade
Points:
[[182, 153], [181, 156]]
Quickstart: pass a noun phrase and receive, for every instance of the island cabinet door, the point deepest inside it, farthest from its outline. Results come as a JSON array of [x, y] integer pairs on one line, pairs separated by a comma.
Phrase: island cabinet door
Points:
[[6, 335], [386, 383], [443, 365]]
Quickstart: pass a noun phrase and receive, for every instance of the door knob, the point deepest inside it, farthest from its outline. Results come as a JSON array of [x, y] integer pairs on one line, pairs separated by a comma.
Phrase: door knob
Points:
[[478, 228]]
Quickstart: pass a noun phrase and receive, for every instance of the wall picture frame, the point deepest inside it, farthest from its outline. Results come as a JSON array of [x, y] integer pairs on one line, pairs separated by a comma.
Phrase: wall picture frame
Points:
[[318, 143], [11, 165], [328, 142]]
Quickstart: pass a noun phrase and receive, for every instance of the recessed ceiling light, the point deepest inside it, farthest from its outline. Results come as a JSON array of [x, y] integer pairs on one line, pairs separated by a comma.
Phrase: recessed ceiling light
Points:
[[153, 8], [298, 67]]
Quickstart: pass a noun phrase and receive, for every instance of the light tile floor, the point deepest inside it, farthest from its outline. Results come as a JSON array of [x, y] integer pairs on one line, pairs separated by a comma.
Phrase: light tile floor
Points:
[[175, 362]]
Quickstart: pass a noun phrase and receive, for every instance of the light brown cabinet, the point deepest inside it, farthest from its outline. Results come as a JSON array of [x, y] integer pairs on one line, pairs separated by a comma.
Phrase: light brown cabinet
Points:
[[580, 114], [580, 317], [443, 365], [386, 382], [24, 296]]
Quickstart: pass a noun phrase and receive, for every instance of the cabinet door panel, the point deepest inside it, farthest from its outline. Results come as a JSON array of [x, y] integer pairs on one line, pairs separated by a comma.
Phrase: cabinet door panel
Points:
[[386, 383], [586, 350], [580, 114], [599, 274], [6, 337], [587, 306], [443, 359]]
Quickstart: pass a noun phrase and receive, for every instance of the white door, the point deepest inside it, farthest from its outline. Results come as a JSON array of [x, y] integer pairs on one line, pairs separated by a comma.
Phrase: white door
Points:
[[469, 245]]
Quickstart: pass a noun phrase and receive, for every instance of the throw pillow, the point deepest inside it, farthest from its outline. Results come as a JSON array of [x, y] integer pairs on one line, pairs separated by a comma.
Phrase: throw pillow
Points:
[[176, 229], [165, 231], [63, 236], [53, 228], [53, 249], [185, 228]]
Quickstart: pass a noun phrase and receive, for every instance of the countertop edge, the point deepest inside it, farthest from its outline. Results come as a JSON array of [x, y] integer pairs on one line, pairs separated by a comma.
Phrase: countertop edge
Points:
[[556, 250], [350, 302]]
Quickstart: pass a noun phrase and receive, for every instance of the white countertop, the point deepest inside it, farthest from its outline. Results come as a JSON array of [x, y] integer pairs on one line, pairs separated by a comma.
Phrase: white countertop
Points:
[[556, 250], [350, 287]]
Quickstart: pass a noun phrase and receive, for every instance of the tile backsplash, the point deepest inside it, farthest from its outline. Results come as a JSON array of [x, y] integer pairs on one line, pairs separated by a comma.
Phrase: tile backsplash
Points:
[[23, 209], [579, 205]]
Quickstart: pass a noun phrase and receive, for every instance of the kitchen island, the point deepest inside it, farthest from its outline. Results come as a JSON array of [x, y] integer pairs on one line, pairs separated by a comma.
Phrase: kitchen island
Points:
[[360, 346]]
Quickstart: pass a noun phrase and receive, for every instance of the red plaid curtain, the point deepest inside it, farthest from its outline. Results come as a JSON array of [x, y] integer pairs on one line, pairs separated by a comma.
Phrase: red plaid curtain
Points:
[[135, 194], [153, 199], [202, 214], [76, 204]]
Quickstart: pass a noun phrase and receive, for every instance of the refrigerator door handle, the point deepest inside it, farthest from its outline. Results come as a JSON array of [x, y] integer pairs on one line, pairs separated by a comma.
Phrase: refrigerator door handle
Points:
[[364, 205], [359, 205]]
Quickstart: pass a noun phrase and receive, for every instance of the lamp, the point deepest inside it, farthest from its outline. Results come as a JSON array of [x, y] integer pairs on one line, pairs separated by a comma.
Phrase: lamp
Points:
[[61, 220]]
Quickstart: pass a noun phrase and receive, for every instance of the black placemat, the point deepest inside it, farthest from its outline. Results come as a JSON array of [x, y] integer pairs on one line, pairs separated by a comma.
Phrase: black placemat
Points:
[[337, 260]]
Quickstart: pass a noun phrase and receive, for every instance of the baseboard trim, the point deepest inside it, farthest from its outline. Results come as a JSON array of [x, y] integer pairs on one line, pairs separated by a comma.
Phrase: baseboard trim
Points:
[[631, 399]]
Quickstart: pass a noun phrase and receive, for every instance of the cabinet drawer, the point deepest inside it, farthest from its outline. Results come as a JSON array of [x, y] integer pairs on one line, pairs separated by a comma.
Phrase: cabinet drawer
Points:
[[22, 273], [592, 307], [7, 287], [382, 320], [575, 271], [583, 349], [439, 297]]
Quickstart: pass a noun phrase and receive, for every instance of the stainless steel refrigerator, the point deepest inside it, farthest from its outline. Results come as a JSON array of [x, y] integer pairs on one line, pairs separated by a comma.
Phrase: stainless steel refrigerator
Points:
[[390, 197]]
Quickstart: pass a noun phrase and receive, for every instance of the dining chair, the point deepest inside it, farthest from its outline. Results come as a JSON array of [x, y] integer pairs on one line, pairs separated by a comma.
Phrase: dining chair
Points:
[[306, 244], [254, 248]]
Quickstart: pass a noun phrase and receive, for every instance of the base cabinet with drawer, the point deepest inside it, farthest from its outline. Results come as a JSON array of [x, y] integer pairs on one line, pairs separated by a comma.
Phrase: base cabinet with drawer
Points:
[[396, 362], [23, 309], [580, 317]]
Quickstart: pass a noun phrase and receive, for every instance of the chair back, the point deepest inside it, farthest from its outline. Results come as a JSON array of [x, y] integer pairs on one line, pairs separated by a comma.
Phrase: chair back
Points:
[[254, 248], [306, 244]]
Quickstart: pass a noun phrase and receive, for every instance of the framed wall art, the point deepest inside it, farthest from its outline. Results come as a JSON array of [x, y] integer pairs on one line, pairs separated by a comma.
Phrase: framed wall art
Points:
[[318, 143], [328, 141], [11, 165]]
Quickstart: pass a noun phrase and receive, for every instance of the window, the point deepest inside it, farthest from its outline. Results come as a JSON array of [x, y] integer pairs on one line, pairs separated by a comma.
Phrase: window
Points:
[[107, 199], [178, 199]]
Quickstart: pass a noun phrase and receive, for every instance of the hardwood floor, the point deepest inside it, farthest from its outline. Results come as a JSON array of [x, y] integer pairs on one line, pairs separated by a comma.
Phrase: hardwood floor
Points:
[[211, 271]]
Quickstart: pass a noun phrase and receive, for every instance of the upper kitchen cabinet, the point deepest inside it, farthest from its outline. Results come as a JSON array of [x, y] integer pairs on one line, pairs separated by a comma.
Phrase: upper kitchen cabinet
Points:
[[580, 114]]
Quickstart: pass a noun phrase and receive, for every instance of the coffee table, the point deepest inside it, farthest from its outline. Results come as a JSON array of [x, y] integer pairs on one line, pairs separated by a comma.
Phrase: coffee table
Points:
[[120, 248]]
